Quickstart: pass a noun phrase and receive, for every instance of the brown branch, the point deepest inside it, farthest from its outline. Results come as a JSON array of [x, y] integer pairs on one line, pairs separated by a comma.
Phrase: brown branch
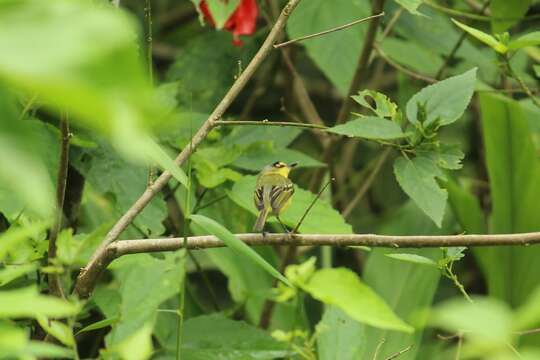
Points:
[[337, 28], [88, 275], [55, 287], [399, 353]]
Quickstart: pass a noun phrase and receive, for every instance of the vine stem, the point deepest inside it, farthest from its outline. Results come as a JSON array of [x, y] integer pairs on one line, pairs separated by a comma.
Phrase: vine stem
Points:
[[88, 275]]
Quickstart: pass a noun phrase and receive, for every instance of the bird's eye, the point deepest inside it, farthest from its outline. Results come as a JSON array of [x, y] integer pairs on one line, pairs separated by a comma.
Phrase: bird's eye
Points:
[[277, 164]]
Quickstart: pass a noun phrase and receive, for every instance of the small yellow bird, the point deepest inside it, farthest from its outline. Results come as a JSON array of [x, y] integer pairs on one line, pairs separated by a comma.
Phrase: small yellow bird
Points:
[[273, 192]]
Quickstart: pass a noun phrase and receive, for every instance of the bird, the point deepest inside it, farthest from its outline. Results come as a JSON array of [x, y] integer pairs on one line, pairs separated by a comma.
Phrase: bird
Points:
[[273, 192]]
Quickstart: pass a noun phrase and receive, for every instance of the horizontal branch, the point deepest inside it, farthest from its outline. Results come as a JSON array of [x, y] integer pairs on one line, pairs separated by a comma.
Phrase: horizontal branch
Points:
[[124, 247]]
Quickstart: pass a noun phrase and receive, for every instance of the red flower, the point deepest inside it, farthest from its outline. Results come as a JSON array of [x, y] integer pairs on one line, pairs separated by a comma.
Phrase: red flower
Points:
[[241, 22]]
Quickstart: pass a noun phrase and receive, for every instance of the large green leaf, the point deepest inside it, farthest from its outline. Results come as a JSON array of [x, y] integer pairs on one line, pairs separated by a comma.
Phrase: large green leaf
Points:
[[507, 13], [466, 209], [322, 219], [514, 175], [444, 101], [215, 336], [405, 300], [316, 15], [417, 178], [370, 127], [145, 282], [124, 182], [27, 302], [238, 245], [343, 288]]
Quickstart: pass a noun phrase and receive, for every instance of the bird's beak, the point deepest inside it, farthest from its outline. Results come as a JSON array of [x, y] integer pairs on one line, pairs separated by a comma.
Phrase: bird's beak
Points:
[[292, 165]]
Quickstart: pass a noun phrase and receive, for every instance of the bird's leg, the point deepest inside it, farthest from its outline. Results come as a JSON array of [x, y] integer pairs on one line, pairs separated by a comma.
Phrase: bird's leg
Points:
[[283, 226]]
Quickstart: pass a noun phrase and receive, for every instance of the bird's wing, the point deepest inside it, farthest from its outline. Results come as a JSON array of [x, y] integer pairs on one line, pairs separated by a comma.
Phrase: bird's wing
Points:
[[272, 196], [280, 195]]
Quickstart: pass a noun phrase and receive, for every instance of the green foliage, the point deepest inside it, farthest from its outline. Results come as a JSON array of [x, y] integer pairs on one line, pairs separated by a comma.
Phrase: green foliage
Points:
[[514, 174], [27, 302], [372, 128], [342, 288], [505, 14]]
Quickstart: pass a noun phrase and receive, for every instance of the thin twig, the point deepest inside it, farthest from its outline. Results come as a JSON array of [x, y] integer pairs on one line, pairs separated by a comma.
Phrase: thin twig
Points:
[[399, 353], [295, 230], [337, 28], [367, 184], [528, 332], [89, 274], [521, 83], [148, 16], [270, 123], [390, 26], [477, 17], [55, 286]]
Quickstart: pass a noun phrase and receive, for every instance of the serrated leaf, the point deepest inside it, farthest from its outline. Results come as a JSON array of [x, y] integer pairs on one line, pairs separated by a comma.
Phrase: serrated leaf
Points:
[[370, 127], [444, 101], [384, 107], [483, 37], [236, 244], [530, 39], [446, 156], [413, 258], [343, 288], [417, 178], [322, 219]]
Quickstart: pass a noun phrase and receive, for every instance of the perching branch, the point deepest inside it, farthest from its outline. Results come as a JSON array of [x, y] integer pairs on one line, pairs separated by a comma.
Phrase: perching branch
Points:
[[270, 123], [125, 247], [337, 28], [86, 279]]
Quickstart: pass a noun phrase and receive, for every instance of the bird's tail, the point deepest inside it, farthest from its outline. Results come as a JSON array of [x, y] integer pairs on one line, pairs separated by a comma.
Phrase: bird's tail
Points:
[[261, 220]]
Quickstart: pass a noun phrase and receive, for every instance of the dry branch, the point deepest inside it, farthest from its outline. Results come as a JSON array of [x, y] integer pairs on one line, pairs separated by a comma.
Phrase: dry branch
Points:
[[88, 275]]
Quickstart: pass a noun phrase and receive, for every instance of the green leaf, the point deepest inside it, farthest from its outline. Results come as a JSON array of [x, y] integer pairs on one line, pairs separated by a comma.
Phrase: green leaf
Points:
[[412, 55], [486, 319], [27, 302], [444, 101], [316, 15], [138, 346], [145, 283], [221, 11], [370, 127], [405, 300], [446, 156], [238, 245], [411, 5], [413, 258], [417, 178], [528, 314], [530, 39], [340, 336], [57, 329], [537, 70], [384, 107], [343, 288], [514, 175], [15, 235], [99, 324], [12, 272], [506, 13], [125, 182], [160, 157], [322, 219], [483, 37], [214, 336]]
